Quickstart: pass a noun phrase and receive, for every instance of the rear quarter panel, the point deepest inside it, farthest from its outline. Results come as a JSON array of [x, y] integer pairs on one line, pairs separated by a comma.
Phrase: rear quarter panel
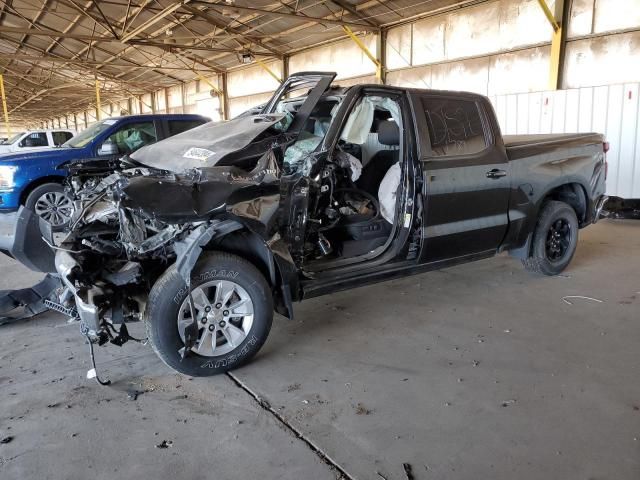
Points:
[[537, 172]]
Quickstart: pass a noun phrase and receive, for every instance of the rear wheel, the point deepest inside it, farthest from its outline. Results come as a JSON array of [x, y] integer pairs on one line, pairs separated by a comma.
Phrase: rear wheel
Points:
[[554, 240], [51, 203], [233, 308]]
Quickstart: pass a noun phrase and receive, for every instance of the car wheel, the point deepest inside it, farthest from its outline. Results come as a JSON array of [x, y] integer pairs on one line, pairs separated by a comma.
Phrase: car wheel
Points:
[[51, 203], [233, 306], [554, 240]]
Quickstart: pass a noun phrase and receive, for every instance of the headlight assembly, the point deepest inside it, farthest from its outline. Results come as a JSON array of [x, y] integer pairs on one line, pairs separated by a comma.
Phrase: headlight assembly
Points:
[[6, 177]]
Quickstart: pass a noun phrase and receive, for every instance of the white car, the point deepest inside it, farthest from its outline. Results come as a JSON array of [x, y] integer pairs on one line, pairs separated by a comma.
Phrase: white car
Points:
[[36, 139]]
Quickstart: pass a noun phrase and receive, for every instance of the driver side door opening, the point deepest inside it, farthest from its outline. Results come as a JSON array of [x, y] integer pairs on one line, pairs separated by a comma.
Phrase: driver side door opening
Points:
[[359, 185]]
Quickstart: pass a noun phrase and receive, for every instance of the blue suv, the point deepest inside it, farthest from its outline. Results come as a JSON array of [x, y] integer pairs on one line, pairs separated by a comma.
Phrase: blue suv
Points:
[[34, 179]]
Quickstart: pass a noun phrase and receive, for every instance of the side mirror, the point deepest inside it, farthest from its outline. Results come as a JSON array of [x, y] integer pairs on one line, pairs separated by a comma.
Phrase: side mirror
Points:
[[108, 148]]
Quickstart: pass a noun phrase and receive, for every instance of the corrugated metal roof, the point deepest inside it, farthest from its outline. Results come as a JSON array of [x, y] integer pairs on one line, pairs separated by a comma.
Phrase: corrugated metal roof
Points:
[[52, 50]]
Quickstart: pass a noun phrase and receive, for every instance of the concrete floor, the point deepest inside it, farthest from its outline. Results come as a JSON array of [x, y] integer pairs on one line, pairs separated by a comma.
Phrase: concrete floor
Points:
[[475, 372]]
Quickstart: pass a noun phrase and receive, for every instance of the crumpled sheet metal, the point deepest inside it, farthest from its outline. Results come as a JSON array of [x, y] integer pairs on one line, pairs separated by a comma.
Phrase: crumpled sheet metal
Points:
[[199, 193], [26, 302], [206, 145]]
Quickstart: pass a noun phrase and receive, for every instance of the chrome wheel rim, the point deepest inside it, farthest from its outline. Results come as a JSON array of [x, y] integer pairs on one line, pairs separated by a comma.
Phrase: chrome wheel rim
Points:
[[55, 208], [224, 312]]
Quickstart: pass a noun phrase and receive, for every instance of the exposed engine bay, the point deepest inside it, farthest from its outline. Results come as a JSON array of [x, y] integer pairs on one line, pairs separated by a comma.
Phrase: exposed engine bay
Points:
[[257, 186], [130, 225]]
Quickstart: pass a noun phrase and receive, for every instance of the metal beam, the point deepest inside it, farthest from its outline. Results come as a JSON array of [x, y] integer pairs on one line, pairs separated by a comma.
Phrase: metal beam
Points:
[[221, 24], [4, 106], [52, 59], [557, 19], [366, 51], [170, 46], [352, 10], [153, 20], [98, 107], [303, 18], [550, 15], [266, 68], [225, 98]]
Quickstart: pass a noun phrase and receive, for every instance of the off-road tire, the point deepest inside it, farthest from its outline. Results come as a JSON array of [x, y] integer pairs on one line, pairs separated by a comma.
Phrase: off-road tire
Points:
[[170, 291], [538, 261]]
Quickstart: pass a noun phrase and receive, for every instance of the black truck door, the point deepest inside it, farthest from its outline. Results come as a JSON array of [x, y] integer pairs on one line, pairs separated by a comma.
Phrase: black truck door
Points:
[[466, 176]]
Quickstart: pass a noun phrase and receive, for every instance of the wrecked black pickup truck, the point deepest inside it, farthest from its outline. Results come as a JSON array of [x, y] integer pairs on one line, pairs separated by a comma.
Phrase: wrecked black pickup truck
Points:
[[205, 234]]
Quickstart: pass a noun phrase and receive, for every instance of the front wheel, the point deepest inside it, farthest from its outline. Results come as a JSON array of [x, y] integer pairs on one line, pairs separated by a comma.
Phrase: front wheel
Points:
[[51, 203], [554, 240], [233, 308]]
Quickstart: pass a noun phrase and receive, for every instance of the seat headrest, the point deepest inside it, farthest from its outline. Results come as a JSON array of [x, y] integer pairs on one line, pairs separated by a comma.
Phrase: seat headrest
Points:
[[388, 133]]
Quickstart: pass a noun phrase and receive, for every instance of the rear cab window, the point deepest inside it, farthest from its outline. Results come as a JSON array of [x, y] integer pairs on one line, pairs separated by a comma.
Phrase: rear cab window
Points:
[[61, 137], [455, 126]]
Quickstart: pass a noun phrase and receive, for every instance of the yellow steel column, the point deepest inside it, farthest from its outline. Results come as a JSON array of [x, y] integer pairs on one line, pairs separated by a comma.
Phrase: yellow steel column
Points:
[[554, 59], [98, 106], [365, 50], [266, 68], [4, 107], [556, 20]]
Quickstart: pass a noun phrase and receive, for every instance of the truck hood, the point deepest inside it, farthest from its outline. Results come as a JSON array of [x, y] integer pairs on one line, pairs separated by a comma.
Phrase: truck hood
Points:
[[206, 145], [61, 154]]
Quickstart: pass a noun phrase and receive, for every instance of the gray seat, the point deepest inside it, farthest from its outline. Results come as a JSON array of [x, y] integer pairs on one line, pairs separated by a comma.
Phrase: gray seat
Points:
[[375, 170]]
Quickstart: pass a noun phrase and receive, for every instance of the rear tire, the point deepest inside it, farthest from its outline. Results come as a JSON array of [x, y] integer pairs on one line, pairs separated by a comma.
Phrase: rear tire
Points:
[[214, 272], [554, 240], [50, 202]]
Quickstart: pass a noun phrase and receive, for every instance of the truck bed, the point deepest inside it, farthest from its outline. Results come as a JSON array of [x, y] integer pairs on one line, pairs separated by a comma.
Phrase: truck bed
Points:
[[519, 146]]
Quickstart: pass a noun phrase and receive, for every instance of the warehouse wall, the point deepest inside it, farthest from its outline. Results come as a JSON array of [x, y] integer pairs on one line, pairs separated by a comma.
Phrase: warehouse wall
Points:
[[498, 48], [503, 46], [609, 109]]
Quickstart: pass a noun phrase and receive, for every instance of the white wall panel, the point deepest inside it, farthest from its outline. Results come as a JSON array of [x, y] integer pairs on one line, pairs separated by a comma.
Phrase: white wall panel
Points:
[[241, 104], [616, 15], [580, 18], [428, 41], [253, 80], [612, 110], [344, 57], [603, 60], [399, 47]]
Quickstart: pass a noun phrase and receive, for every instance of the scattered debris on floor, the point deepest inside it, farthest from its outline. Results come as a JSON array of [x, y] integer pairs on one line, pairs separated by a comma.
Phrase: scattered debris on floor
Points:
[[134, 394], [27, 302], [506, 403], [620, 208], [408, 471], [165, 444], [381, 476], [293, 387], [362, 410], [566, 298]]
